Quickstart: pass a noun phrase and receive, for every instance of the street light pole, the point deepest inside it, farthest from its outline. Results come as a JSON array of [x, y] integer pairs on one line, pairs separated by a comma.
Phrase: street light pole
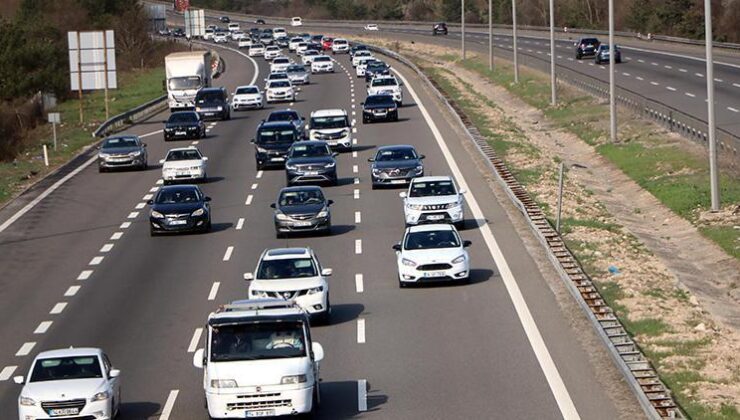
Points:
[[516, 51], [553, 82], [462, 19], [713, 176], [612, 75], [490, 35]]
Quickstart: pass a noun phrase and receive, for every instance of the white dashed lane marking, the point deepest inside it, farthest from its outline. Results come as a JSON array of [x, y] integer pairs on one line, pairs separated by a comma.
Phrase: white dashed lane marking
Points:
[[96, 260], [259, 174], [732, 109], [358, 246], [58, 308], [639, 78], [169, 404], [133, 215], [737, 85], [672, 89], [194, 341], [691, 95], [116, 236], [357, 194], [698, 75], [72, 291], [240, 223], [214, 290], [358, 217], [85, 274], [125, 225], [227, 254], [683, 70], [25, 349], [654, 83], [361, 330], [43, 327], [106, 248], [354, 154], [147, 197], [153, 189], [249, 200], [359, 284], [355, 169], [254, 186], [7, 373]]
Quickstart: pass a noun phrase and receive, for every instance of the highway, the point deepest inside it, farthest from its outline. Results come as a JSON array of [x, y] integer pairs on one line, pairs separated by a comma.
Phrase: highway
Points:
[[80, 269]]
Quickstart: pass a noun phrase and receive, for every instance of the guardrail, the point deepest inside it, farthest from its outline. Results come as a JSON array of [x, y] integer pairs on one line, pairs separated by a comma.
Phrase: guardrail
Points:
[[131, 116], [654, 397]]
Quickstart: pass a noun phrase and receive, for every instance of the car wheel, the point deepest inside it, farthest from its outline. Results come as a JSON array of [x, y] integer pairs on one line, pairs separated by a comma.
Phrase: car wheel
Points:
[[208, 226], [375, 186]]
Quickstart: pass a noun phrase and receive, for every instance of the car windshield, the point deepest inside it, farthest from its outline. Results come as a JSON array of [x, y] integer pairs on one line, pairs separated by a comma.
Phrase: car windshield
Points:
[[178, 196], [384, 100], [60, 368], [209, 97], [256, 341], [589, 41], [376, 66], [256, 46], [340, 42], [280, 60], [395, 154], [247, 90], [432, 188], [299, 198], [385, 81], [273, 48], [289, 268], [270, 135], [432, 240], [296, 40], [302, 45], [321, 58], [277, 76], [280, 84], [114, 142], [329, 122], [311, 52], [309, 150], [296, 68], [181, 117], [175, 155], [283, 116], [362, 53], [184, 83]]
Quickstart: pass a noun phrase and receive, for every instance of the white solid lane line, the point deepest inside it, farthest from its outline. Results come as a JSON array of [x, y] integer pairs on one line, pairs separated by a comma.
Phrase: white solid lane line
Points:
[[359, 285], [358, 246], [96, 260], [43, 327], [249, 200], [84, 275], [25, 349], [357, 194], [58, 308], [240, 223], [227, 255], [72, 291], [106, 248], [7, 371], [554, 380], [732, 109], [360, 330], [358, 217], [362, 395], [214, 290], [116, 236], [125, 225], [169, 404], [194, 341]]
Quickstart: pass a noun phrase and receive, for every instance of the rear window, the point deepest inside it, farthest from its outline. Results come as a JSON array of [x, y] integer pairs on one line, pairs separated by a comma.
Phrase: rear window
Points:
[[247, 90], [592, 41]]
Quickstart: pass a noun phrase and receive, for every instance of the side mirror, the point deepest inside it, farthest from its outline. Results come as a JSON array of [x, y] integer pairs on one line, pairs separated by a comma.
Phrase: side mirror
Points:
[[272, 206], [463, 191], [251, 141], [161, 161], [327, 272], [150, 202], [318, 352], [164, 121], [335, 154], [207, 199], [397, 247], [402, 194], [114, 373], [371, 159], [330, 202], [467, 244], [143, 144], [205, 158], [421, 157], [248, 276], [198, 359], [362, 103], [19, 380]]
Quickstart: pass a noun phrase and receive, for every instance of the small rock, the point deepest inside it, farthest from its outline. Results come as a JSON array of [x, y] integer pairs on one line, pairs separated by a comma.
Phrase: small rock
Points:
[[701, 327], [693, 300]]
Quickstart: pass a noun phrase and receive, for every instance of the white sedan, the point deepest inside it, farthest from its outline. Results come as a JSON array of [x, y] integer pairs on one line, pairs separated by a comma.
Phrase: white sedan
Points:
[[432, 253], [322, 64], [272, 51], [308, 57], [247, 97], [371, 27], [280, 90], [245, 42], [280, 64], [184, 164], [256, 50]]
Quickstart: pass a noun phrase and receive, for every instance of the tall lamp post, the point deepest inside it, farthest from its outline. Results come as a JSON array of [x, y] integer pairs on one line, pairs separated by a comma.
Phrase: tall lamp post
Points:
[[713, 176]]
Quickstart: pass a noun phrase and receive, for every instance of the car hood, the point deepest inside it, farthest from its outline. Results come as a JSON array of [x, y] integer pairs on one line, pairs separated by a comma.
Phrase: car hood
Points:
[[280, 90], [401, 164], [432, 256], [329, 130], [120, 150], [183, 164], [259, 372], [373, 90], [323, 160], [379, 106], [437, 199], [179, 208], [302, 209], [286, 285], [68, 389]]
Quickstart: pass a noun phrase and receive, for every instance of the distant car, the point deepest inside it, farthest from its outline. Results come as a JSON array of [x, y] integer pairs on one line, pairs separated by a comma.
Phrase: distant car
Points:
[[282, 41], [340, 46], [266, 38], [208, 34], [184, 164], [308, 56], [376, 68], [297, 74], [220, 38], [289, 115], [361, 66], [296, 21], [78, 383], [179, 208], [432, 253], [279, 33], [433, 199], [184, 124], [379, 107], [280, 64], [586, 47], [322, 64], [247, 97], [331, 126], [165, 32], [293, 43], [244, 42], [259, 21], [224, 19], [326, 43], [315, 38], [386, 84], [178, 33], [233, 27], [602, 54], [280, 90], [281, 75], [395, 165], [256, 50], [272, 141], [439, 28], [358, 55], [310, 162], [238, 35], [371, 27], [272, 52], [302, 209], [213, 103], [124, 151], [301, 48]]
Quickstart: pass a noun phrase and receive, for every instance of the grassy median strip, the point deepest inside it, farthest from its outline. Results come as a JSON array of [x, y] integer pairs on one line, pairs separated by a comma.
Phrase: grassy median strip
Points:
[[135, 88]]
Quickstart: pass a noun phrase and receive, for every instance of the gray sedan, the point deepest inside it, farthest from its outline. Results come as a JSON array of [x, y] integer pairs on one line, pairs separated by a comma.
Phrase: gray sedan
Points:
[[125, 151], [298, 74]]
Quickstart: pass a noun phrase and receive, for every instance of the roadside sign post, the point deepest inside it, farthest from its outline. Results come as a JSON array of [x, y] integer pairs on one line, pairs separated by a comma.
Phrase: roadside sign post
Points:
[[560, 197], [54, 118], [490, 35], [46, 155], [79, 78], [513, 33], [612, 75], [553, 81], [462, 20], [713, 176], [92, 64]]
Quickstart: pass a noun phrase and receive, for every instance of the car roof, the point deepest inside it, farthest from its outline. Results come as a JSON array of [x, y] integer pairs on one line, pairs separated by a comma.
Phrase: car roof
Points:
[[396, 147], [177, 149], [247, 86], [281, 58], [431, 179], [285, 253], [123, 136], [430, 227], [329, 113], [301, 188], [70, 352], [181, 187], [310, 142], [282, 111], [211, 89], [276, 124]]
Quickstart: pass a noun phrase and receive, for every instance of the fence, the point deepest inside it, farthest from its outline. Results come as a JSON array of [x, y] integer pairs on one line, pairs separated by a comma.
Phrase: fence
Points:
[[131, 116]]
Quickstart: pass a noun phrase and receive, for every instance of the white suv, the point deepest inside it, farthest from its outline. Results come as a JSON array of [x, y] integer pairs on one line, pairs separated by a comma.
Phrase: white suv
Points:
[[184, 164], [331, 126], [70, 383], [293, 274], [386, 84], [247, 97], [359, 54], [340, 45], [272, 51], [322, 64], [432, 253], [433, 199], [259, 361]]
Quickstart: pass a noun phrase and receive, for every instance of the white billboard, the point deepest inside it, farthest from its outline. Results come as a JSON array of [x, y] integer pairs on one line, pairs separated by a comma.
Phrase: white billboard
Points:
[[195, 23], [92, 60]]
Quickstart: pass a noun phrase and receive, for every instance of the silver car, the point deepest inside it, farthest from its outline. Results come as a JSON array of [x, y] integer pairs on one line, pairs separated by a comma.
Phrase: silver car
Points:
[[125, 151], [298, 74]]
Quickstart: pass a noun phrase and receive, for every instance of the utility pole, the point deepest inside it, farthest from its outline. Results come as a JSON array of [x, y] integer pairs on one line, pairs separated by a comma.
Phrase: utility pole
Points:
[[490, 35], [612, 75], [553, 81], [713, 176], [462, 20], [516, 51]]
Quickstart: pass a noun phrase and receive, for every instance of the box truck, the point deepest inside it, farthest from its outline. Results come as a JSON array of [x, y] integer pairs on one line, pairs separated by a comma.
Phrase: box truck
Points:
[[186, 73]]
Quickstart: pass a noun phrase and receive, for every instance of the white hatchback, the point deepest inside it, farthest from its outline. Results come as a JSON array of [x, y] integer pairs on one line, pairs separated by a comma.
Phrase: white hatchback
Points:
[[359, 55], [340, 45], [432, 253], [184, 164]]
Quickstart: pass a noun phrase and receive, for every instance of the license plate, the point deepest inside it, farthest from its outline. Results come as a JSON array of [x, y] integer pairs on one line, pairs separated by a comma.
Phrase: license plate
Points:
[[260, 413], [435, 217], [182, 173], [277, 159], [312, 172], [179, 133], [301, 224], [332, 142], [177, 222], [401, 181], [64, 411], [434, 274]]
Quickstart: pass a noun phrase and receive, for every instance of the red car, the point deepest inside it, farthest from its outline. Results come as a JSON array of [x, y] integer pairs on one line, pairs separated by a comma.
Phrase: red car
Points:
[[326, 43]]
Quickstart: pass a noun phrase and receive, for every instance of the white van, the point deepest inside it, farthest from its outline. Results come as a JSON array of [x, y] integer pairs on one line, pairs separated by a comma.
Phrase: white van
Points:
[[279, 33], [296, 21]]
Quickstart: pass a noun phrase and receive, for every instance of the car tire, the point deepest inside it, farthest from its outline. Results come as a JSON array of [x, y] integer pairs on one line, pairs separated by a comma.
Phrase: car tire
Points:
[[375, 186]]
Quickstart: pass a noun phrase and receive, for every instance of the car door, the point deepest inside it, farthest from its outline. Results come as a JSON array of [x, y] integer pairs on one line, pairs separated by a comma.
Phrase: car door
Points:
[[114, 383]]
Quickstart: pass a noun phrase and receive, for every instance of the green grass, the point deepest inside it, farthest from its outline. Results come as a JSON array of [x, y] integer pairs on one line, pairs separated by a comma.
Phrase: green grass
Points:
[[725, 236], [567, 224], [648, 326], [135, 88]]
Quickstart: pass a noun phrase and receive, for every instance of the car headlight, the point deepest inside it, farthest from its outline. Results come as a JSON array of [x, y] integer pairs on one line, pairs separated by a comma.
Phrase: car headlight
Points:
[[223, 383], [419, 169], [157, 215], [199, 212], [281, 216], [293, 379], [315, 290], [291, 167], [26, 401], [196, 168], [414, 206], [191, 128], [136, 153], [197, 109], [345, 133], [220, 108], [104, 155], [376, 171], [459, 259], [261, 150], [323, 213], [330, 165], [100, 396], [408, 262]]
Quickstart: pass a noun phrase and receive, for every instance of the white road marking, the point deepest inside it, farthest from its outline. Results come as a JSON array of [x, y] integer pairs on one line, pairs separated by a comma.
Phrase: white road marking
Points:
[[691, 95], [354, 130], [654, 83], [25, 348], [169, 404], [354, 140], [591, 64], [683, 70], [550, 370], [357, 194], [106, 248], [732, 109], [194, 341], [639, 78], [357, 181], [116, 236], [227, 255], [626, 74], [358, 217], [85, 274], [254, 186], [654, 63], [8, 371], [353, 106], [154, 189], [195, 142], [259, 174], [214, 290], [249, 200], [43, 327], [640, 60], [125, 225], [147, 197], [358, 246], [58, 308], [718, 80], [354, 154], [240, 223], [570, 58], [672, 89], [361, 330], [698, 75], [668, 67], [359, 286], [354, 112], [355, 169], [72, 291], [96, 260], [133, 215], [737, 85]]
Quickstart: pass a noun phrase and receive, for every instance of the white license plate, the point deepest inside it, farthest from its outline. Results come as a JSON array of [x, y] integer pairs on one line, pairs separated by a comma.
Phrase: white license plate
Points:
[[179, 133], [435, 217], [434, 274], [398, 181], [182, 173], [277, 159], [64, 411], [300, 224], [332, 142], [260, 413], [177, 222], [312, 172]]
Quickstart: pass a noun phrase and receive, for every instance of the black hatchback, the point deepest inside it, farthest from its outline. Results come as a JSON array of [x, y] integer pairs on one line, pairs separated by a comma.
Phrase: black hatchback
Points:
[[272, 141], [179, 208], [184, 125], [439, 28], [376, 68], [586, 47], [213, 103]]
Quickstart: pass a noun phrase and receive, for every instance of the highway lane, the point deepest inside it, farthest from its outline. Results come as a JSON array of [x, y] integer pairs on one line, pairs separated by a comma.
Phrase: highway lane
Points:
[[144, 302]]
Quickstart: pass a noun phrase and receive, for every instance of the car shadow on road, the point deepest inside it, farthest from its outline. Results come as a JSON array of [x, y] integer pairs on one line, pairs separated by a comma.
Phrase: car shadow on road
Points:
[[213, 179], [220, 227], [479, 275], [341, 229], [345, 312], [339, 400], [138, 410], [345, 181], [363, 147]]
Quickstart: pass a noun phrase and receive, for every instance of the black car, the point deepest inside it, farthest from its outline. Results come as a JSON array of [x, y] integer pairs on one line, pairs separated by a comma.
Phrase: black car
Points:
[[179, 208], [439, 28], [184, 125], [586, 47], [126, 151], [311, 162], [395, 165], [224, 19], [289, 115], [602, 54], [178, 33], [213, 103], [379, 107], [316, 39], [302, 209], [272, 142], [355, 48], [266, 39], [260, 21], [374, 68]]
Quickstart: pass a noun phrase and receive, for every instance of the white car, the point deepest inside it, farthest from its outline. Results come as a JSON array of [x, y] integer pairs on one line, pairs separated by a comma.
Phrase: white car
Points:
[[301, 47], [220, 38], [433, 199], [256, 50], [292, 274], [293, 43], [184, 164], [69, 383], [272, 51], [280, 64], [386, 84], [362, 65], [298, 74], [296, 21], [322, 64], [275, 77], [247, 97], [308, 56], [208, 34], [432, 253], [280, 90], [259, 361], [233, 26], [238, 35], [371, 27], [331, 126], [245, 42], [360, 54], [340, 45], [279, 33]]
